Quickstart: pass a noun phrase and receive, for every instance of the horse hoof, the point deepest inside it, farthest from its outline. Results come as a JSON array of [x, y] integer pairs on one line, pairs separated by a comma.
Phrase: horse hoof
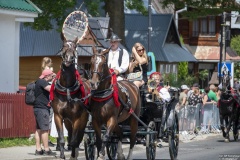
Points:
[[120, 157], [226, 140]]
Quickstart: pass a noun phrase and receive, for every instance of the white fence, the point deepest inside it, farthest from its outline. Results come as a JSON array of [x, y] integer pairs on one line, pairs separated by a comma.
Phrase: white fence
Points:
[[198, 120]]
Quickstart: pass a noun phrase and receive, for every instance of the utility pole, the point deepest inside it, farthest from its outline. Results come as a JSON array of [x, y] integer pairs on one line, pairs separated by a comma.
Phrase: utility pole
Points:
[[149, 24], [224, 37], [221, 46]]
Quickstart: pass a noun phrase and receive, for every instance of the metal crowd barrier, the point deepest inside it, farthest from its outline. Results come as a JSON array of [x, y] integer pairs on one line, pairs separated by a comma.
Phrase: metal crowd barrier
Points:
[[198, 120]]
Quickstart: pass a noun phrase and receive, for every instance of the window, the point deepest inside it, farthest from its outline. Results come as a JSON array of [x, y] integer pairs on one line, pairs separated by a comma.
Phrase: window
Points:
[[168, 68], [195, 28], [205, 26], [174, 68], [162, 69]]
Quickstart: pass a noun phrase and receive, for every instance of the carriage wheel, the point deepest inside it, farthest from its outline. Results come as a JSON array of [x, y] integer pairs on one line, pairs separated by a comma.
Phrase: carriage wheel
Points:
[[150, 141], [89, 147], [112, 150], [173, 138]]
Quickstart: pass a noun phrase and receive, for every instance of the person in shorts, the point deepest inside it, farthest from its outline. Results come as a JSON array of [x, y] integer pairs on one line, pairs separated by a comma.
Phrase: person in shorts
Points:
[[47, 64], [181, 108], [42, 112]]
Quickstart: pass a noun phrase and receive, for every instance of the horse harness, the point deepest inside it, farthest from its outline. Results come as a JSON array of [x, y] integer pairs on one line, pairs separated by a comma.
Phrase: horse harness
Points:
[[78, 86], [107, 94], [233, 97]]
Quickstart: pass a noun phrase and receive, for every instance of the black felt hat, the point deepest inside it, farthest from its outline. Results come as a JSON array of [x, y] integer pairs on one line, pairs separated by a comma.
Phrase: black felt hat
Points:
[[114, 37]]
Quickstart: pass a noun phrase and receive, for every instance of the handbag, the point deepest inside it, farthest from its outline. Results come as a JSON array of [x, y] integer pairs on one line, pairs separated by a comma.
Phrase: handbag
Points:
[[136, 76]]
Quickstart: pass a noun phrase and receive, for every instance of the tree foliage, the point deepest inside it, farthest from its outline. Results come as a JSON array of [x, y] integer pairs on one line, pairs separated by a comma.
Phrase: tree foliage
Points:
[[203, 74], [115, 10], [51, 10], [235, 45], [202, 7], [182, 70], [59, 9]]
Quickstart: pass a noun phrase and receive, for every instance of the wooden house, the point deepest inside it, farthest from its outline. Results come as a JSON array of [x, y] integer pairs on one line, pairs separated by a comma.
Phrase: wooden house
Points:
[[201, 38], [34, 45]]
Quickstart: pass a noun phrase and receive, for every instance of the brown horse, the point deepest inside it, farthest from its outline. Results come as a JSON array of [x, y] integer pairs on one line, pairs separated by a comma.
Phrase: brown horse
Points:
[[229, 110], [66, 87], [105, 107]]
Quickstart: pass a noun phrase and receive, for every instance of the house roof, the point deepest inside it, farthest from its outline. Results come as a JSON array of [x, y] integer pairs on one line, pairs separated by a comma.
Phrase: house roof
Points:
[[19, 5], [48, 43], [39, 43], [212, 53], [165, 41]]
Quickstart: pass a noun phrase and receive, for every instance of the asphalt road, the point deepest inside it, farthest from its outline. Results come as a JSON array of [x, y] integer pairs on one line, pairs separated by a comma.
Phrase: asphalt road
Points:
[[207, 147], [211, 148]]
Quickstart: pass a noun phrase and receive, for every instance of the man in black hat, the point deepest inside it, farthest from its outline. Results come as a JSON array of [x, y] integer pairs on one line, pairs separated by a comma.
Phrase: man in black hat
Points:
[[118, 58]]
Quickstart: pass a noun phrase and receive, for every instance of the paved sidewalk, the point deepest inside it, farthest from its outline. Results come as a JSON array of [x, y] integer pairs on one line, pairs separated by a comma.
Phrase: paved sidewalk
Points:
[[27, 152]]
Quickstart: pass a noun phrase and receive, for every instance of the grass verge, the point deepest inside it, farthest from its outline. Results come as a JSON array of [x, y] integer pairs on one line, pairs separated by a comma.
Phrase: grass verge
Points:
[[11, 142]]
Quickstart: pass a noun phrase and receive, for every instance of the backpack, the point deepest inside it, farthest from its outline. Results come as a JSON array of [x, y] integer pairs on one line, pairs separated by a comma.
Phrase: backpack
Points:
[[30, 93]]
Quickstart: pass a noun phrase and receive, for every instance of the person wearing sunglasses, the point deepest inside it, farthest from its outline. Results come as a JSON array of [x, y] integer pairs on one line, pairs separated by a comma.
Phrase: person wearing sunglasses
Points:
[[139, 62]]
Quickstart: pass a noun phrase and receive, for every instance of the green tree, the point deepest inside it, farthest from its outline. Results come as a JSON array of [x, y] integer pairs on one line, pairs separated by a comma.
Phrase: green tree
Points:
[[115, 10], [182, 70], [59, 9], [199, 8], [189, 80], [235, 45], [203, 75], [51, 10]]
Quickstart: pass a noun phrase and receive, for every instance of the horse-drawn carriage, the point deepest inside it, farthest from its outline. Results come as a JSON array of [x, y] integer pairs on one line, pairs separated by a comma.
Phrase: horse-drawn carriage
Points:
[[154, 113], [117, 109]]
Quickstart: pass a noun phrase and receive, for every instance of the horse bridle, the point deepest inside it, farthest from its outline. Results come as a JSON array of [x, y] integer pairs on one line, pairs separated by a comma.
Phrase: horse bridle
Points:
[[100, 74], [69, 49], [224, 81]]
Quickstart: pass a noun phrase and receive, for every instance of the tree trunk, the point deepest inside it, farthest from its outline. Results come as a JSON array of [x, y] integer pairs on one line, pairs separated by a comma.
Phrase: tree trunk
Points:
[[115, 9]]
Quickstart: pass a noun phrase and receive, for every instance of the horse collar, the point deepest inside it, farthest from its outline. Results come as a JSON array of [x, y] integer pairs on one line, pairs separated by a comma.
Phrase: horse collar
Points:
[[63, 90], [102, 94]]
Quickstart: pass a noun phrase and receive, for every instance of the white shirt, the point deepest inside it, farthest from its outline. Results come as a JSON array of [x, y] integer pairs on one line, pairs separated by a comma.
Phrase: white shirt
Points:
[[113, 57], [164, 94]]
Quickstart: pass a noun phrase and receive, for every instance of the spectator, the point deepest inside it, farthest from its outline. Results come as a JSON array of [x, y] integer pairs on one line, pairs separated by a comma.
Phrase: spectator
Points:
[[42, 112], [47, 64], [139, 63], [182, 106], [207, 111], [118, 58], [212, 95], [236, 84], [194, 102], [194, 86], [216, 118]]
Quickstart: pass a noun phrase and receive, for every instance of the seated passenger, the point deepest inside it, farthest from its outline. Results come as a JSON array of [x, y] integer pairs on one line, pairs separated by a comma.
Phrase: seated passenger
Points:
[[161, 90], [164, 95], [139, 62]]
